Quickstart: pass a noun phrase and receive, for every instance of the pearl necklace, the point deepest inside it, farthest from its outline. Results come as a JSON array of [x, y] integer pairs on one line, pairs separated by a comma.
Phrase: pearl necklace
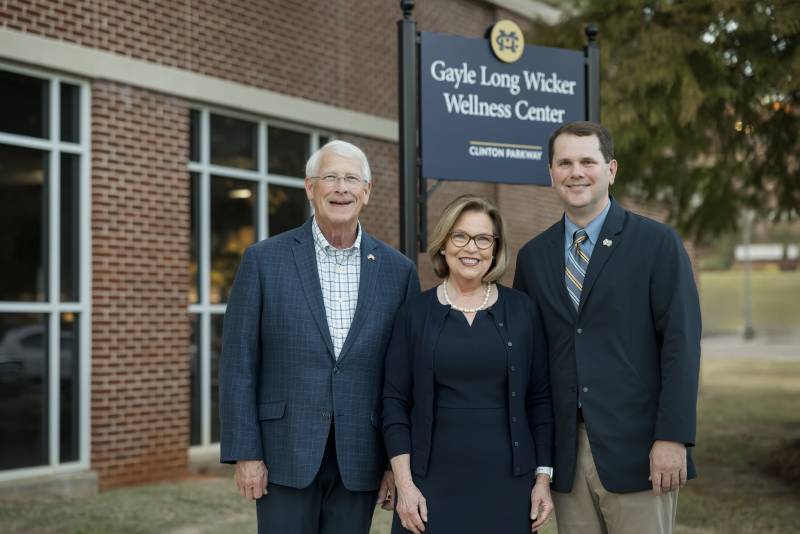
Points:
[[467, 310]]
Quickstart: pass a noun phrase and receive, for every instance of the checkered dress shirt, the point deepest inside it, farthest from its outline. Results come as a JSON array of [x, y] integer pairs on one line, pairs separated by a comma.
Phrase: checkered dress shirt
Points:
[[339, 272]]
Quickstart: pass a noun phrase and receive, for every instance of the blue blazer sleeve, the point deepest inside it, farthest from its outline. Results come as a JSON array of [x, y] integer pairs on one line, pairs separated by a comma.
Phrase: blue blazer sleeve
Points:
[[676, 316], [397, 388], [240, 433]]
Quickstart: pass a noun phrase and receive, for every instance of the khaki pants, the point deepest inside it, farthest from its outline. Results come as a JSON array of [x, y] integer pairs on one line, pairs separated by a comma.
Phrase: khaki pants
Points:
[[590, 509]]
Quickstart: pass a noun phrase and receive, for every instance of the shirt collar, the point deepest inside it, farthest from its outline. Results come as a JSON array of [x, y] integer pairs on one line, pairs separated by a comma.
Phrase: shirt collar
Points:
[[592, 229], [322, 243]]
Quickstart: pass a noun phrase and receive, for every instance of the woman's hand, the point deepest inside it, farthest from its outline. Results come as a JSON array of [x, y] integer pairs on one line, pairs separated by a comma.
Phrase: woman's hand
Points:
[[411, 508], [541, 502]]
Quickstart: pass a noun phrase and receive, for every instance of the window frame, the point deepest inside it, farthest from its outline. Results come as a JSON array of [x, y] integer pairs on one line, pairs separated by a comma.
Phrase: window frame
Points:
[[203, 309], [53, 306]]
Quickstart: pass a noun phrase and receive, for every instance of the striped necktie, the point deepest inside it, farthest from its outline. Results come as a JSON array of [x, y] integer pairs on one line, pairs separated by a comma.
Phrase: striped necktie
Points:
[[577, 262]]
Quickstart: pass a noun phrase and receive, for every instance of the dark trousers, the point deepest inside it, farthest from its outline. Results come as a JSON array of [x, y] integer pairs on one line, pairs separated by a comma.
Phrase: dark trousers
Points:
[[324, 507]]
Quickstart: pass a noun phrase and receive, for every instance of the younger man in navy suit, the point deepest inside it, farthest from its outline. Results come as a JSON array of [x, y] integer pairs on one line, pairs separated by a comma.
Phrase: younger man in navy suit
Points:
[[622, 319]]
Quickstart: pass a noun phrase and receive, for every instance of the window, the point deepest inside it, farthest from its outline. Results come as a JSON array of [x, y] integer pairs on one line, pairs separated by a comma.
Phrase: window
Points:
[[247, 184], [44, 272]]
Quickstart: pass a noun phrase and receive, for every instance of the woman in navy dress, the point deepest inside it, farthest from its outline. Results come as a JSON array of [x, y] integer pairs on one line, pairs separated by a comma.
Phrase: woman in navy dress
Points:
[[468, 417]]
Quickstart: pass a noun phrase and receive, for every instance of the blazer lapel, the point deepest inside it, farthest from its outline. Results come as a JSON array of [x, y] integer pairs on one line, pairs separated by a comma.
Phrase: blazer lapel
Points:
[[556, 267], [370, 265], [304, 257], [607, 243]]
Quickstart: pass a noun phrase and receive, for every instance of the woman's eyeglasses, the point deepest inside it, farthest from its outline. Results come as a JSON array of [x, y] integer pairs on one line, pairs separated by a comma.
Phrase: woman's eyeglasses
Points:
[[462, 239]]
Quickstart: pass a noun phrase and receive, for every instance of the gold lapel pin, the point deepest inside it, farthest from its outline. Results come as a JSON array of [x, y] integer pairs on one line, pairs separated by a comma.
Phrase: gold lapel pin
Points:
[[606, 242], [371, 257]]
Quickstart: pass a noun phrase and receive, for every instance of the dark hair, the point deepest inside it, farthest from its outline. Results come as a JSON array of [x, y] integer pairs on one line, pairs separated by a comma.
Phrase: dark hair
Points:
[[585, 129]]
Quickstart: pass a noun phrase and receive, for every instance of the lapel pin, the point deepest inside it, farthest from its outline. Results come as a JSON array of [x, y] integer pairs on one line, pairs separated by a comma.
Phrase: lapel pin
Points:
[[606, 242], [371, 257]]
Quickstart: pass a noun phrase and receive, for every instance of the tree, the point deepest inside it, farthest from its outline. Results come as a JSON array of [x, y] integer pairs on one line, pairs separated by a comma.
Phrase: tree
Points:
[[703, 99]]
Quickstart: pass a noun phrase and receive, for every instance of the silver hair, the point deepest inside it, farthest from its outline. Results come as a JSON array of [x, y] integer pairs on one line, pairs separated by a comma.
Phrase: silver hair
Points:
[[340, 148]]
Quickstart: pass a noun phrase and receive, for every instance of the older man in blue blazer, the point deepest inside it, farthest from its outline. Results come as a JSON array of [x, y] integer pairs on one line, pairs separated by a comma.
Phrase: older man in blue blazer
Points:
[[622, 321], [306, 328]]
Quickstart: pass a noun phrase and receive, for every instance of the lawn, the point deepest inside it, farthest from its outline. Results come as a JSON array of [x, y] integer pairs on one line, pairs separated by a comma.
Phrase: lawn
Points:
[[776, 302], [748, 409]]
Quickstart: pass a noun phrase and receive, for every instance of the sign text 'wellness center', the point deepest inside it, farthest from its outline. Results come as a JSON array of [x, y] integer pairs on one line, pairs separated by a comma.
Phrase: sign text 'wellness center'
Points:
[[487, 120]]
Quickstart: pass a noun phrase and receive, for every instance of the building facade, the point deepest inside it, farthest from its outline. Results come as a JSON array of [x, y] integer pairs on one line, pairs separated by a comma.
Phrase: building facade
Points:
[[143, 146]]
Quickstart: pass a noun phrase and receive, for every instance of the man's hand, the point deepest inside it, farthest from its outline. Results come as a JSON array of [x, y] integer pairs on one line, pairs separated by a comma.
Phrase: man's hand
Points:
[[667, 466], [251, 478], [387, 491], [541, 502]]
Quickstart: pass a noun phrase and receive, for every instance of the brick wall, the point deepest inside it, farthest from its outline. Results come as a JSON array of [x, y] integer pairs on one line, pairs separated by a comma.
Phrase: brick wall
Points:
[[342, 53], [140, 261]]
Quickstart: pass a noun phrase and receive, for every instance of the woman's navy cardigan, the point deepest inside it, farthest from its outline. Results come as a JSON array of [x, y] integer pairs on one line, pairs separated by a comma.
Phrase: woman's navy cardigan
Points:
[[408, 393]]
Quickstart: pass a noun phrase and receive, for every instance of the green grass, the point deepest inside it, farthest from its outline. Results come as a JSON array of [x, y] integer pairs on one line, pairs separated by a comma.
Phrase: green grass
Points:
[[748, 408], [776, 301]]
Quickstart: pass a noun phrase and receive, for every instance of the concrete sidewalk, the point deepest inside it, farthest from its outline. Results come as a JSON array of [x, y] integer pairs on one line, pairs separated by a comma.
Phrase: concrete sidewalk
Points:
[[782, 347]]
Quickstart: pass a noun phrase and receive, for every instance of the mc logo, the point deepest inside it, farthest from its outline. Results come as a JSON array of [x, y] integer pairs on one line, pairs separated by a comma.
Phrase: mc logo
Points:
[[507, 41]]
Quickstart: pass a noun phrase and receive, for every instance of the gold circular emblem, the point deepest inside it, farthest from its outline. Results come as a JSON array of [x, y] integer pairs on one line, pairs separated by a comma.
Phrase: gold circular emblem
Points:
[[507, 41]]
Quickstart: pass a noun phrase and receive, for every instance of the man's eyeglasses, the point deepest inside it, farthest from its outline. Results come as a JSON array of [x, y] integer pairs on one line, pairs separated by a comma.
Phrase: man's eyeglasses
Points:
[[482, 241], [331, 179]]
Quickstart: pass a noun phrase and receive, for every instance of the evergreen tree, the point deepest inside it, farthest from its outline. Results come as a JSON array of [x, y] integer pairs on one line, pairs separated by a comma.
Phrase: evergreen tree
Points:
[[703, 100]]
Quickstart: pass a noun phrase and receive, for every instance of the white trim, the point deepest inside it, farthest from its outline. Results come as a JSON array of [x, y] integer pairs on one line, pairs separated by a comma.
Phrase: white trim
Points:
[[53, 306], [53, 234], [262, 206], [204, 359], [207, 308], [198, 452], [39, 143], [204, 262], [531, 9], [96, 64], [287, 181], [241, 174], [227, 172], [25, 141], [85, 277], [204, 310], [40, 307], [29, 472]]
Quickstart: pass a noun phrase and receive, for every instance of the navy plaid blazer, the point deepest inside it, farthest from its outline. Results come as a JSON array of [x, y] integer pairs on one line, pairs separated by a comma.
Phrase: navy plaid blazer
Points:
[[280, 386]]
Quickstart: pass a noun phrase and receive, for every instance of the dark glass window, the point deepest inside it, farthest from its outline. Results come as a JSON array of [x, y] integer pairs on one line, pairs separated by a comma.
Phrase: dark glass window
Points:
[[233, 142], [194, 245], [216, 350], [23, 104], [233, 229], [288, 152], [288, 208], [70, 222], [323, 140], [23, 239], [194, 135], [196, 435], [70, 113], [23, 390], [70, 387]]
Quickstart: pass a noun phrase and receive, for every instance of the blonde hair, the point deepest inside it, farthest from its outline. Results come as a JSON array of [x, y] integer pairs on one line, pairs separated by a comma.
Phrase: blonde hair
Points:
[[441, 233]]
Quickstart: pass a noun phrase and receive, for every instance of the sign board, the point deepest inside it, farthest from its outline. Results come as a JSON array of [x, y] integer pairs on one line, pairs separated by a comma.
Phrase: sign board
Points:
[[487, 119]]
